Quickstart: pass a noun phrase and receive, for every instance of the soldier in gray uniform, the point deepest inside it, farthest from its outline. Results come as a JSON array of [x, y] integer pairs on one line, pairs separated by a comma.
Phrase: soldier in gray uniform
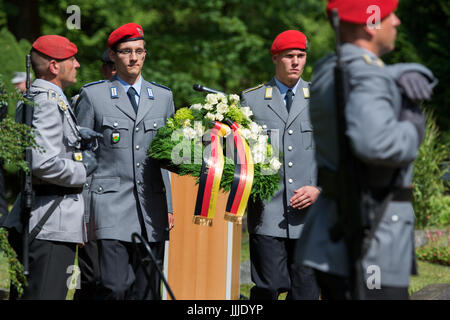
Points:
[[282, 108], [59, 172], [129, 192], [385, 131]]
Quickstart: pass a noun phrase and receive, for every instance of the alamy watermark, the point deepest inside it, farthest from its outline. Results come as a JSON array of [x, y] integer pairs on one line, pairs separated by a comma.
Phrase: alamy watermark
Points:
[[74, 20]]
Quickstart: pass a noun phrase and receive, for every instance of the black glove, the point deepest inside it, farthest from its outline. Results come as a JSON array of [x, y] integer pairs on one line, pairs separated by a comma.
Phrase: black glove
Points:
[[411, 112], [415, 86], [89, 138], [89, 161]]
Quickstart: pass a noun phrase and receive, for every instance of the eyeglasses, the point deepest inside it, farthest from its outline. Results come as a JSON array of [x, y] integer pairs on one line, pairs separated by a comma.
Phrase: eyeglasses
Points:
[[129, 52]]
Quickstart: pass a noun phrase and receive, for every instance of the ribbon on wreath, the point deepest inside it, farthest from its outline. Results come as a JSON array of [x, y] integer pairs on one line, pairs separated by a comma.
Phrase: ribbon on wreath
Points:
[[211, 174], [241, 185]]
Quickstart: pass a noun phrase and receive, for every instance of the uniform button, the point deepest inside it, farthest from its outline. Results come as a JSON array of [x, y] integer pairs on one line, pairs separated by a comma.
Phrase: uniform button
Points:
[[137, 147], [138, 164], [100, 189], [290, 148], [290, 164], [264, 126], [115, 124], [394, 218], [290, 132], [137, 129], [290, 180], [155, 125], [139, 182], [86, 185]]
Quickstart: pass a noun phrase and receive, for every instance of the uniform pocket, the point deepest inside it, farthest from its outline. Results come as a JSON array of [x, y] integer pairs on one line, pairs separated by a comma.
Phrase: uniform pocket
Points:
[[151, 126], [307, 134], [103, 193], [116, 132]]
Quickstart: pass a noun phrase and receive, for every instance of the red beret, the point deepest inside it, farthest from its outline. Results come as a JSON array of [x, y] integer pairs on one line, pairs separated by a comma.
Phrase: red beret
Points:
[[56, 47], [359, 11], [290, 39], [127, 32]]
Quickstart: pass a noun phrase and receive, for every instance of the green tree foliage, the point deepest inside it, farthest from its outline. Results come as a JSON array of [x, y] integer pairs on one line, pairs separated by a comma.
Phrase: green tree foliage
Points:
[[431, 203]]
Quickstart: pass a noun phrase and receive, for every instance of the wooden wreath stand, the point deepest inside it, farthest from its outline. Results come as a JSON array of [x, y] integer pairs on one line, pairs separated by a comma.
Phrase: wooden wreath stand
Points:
[[203, 262]]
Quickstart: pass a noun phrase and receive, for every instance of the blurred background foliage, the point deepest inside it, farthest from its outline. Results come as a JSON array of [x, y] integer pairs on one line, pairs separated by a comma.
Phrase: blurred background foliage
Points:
[[222, 44]]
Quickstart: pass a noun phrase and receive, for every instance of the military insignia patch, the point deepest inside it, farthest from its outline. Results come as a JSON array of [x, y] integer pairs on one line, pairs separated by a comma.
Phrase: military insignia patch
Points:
[[78, 156], [62, 105], [306, 93], [52, 95], [150, 93], [269, 92], [114, 93], [115, 137]]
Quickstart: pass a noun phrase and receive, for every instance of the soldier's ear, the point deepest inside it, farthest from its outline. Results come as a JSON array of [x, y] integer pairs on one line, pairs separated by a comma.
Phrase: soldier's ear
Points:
[[112, 55], [54, 67]]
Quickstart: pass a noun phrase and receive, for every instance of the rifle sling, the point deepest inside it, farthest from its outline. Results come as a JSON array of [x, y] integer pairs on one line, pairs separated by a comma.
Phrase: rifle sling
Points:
[[44, 219]]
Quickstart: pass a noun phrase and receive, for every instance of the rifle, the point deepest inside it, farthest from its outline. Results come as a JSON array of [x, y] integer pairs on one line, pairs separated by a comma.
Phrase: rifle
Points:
[[27, 182], [350, 224]]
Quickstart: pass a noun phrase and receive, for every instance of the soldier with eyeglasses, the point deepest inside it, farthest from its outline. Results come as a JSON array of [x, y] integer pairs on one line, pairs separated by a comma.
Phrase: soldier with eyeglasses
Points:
[[129, 193]]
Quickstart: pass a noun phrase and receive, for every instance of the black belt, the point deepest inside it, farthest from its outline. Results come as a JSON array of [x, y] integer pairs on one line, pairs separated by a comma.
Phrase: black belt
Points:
[[327, 180], [53, 190]]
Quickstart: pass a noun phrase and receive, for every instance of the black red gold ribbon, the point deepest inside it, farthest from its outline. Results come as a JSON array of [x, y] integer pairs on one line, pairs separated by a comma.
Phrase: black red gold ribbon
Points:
[[211, 174], [242, 180]]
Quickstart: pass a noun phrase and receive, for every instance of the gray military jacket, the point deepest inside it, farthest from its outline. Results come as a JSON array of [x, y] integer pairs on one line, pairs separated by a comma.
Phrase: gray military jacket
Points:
[[292, 135], [54, 121], [384, 144], [127, 183]]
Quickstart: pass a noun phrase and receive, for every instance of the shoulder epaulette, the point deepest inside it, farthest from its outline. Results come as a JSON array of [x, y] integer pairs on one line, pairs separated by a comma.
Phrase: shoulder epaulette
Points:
[[92, 83], [160, 85], [375, 61], [254, 88]]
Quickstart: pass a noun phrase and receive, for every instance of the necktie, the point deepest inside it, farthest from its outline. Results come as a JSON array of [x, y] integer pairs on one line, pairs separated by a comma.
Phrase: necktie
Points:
[[132, 95], [289, 95]]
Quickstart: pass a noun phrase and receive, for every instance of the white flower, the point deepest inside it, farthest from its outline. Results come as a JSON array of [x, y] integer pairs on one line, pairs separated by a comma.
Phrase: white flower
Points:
[[197, 106], [208, 106], [222, 108], [210, 116], [198, 127], [222, 97], [189, 133], [247, 112], [186, 123], [275, 164], [258, 157], [212, 98], [234, 97], [219, 116], [245, 133], [255, 128]]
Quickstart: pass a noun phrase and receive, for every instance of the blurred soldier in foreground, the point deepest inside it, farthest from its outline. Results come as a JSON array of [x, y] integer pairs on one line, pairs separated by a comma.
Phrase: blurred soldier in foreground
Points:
[[282, 107], [384, 127], [19, 81], [129, 192], [59, 172]]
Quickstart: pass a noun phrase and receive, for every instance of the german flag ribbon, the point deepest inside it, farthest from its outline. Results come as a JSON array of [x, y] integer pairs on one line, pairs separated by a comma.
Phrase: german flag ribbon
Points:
[[211, 174], [243, 178]]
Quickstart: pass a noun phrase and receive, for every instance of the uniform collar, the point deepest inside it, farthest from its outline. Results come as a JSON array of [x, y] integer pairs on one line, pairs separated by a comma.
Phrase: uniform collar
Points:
[[48, 85], [137, 85], [284, 88]]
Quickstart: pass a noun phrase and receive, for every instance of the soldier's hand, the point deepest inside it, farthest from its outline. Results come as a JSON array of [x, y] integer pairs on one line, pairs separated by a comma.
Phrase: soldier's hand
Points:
[[89, 161], [415, 86], [304, 197], [171, 221], [89, 134]]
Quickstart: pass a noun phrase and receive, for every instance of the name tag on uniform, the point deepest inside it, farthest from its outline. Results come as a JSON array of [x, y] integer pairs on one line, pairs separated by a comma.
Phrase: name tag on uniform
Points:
[[306, 93], [268, 94], [114, 93], [150, 93]]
